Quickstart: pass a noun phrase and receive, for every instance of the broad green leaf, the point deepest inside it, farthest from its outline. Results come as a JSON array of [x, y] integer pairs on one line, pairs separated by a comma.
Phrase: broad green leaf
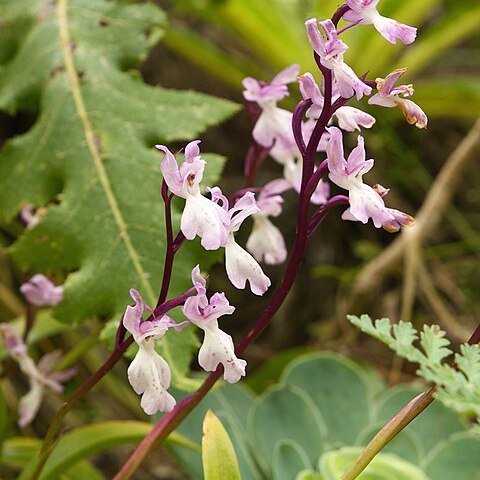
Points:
[[289, 458], [17, 451], [231, 404], [384, 466], [332, 382], [286, 413], [86, 441], [459, 453], [309, 475], [218, 454], [269, 373], [89, 157]]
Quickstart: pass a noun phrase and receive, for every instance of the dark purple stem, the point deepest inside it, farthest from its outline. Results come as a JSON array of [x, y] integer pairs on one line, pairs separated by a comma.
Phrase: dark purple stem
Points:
[[174, 302], [341, 11], [319, 129], [297, 118], [256, 155], [30, 314], [323, 211], [170, 253]]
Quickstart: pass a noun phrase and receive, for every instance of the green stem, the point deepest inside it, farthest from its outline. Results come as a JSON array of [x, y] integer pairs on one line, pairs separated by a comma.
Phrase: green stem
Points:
[[389, 431], [408, 413]]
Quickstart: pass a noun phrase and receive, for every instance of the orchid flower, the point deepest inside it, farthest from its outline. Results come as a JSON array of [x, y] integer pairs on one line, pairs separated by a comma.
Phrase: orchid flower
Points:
[[41, 292], [217, 346], [365, 202], [349, 118], [149, 374], [389, 96], [200, 216], [266, 242], [273, 128], [239, 264], [40, 376], [330, 51], [365, 12]]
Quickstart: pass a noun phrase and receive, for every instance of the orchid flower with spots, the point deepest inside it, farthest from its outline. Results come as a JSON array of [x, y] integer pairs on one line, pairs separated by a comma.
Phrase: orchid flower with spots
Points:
[[330, 51], [348, 118], [217, 346], [200, 216], [41, 292], [239, 264], [389, 96], [149, 374], [40, 376], [365, 202], [365, 12]]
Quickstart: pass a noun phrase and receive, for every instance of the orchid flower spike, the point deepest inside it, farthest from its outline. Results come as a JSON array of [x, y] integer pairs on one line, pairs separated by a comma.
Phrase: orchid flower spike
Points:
[[200, 216], [330, 51], [266, 242], [41, 292], [40, 376], [239, 264], [217, 346], [365, 12], [389, 96], [149, 374], [365, 202]]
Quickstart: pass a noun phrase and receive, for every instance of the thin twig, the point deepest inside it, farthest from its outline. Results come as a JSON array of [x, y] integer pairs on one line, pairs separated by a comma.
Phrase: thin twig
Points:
[[427, 219]]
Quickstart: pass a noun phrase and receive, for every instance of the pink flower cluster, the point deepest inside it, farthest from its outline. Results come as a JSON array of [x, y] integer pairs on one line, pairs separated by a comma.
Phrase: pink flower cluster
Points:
[[211, 216]]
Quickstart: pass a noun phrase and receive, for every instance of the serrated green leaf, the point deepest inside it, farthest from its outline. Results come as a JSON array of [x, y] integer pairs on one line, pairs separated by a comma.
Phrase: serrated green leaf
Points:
[[218, 454], [434, 343], [89, 157]]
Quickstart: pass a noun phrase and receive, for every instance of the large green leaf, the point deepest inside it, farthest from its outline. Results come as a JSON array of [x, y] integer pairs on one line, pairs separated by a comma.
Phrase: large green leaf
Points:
[[289, 458], [86, 441], [18, 452], [286, 413], [384, 466], [331, 382], [231, 404], [459, 453], [218, 454], [89, 157]]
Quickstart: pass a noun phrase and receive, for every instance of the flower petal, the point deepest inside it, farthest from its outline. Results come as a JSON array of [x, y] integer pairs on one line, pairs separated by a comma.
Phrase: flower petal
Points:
[[241, 266]]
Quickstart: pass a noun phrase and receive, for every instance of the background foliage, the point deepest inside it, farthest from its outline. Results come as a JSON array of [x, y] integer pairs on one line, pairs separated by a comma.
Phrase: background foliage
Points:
[[78, 142]]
